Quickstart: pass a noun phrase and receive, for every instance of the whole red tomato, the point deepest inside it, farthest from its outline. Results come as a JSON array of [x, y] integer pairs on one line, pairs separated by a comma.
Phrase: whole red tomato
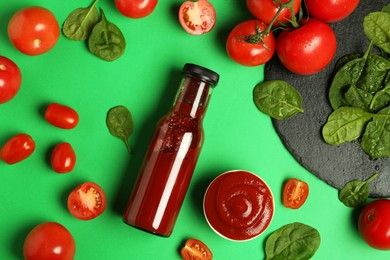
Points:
[[87, 201], [246, 46], [17, 148], [265, 10], [295, 193], [374, 224], [33, 30], [61, 116], [10, 79], [63, 158], [331, 10], [49, 240], [307, 49], [135, 8], [197, 17]]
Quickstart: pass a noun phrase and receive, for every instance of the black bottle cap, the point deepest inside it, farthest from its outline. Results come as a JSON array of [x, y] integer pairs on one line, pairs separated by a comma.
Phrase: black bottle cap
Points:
[[205, 74]]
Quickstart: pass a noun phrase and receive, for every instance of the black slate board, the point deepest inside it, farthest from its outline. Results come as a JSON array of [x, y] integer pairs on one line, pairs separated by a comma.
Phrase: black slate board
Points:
[[301, 134]]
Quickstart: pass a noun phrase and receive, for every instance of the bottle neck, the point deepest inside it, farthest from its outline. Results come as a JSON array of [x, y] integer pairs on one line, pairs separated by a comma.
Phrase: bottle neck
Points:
[[192, 98]]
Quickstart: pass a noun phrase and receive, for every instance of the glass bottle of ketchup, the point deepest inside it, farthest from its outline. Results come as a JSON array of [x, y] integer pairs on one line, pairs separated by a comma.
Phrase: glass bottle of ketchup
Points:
[[170, 161]]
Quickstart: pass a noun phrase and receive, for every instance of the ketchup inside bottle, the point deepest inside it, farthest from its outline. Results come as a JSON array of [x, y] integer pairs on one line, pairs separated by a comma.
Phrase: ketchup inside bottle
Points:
[[170, 161]]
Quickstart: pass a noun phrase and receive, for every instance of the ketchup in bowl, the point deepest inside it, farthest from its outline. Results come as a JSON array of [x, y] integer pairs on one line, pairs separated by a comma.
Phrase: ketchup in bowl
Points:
[[238, 205]]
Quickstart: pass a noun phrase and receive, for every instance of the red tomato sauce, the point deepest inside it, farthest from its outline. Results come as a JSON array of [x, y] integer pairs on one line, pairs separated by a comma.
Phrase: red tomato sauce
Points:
[[238, 205]]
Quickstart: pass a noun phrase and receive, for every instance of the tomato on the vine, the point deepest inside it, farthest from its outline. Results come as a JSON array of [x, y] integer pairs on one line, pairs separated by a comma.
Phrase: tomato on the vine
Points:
[[247, 45], [195, 249], [265, 10], [87, 201], [61, 116], [33, 30], [197, 17], [10, 79], [295, 193], [135, 8], [307, 49], [374, 224], [63, 158], [18, 148], [49, 240], [331, 10]]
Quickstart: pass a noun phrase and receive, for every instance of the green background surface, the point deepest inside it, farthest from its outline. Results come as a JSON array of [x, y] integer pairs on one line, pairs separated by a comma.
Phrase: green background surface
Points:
[[145, 80]]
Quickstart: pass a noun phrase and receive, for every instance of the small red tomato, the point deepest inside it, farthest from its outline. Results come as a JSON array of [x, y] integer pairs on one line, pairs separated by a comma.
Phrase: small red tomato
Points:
[[307, 49], [195, 250], [49, 240], [63, 158], [10, 79], [331, 10], [33, 30], [295, 193], [87, 201], [197, 17], [374, 224], [245, 46], [135, 8], [61, 116], [17, 148]]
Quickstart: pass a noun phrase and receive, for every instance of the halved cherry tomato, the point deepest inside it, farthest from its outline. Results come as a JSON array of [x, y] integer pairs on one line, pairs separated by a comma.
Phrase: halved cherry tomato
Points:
[[10, 79], [17, 148], [87, 201], [195, 250], [49, 240], [135, 8], [33, 30], [63, 158], [295, 193], [197, 17], [61, 116]]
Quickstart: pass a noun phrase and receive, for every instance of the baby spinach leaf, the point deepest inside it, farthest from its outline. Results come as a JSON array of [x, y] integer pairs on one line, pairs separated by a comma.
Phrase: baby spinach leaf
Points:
[[79, 23], [376, 138], [106, 41], [292, 241], [374, 73], [386, 8], [381, 99], [355, 193], [345, 124], [278, 99], [357, 97], [377, 28], [120, 124]]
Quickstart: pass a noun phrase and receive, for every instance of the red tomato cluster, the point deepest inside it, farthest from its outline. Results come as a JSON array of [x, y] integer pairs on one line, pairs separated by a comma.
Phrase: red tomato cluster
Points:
[[304, 47]]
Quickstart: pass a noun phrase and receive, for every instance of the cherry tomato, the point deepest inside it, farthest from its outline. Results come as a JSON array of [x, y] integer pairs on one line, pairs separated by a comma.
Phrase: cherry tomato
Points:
[[295, 193], [247, 51], [135, 8], [195, 250], [17, 148], [63, 158], [33, 30], [49, 240], [61, 116], [10, 79], [197, 17], [87, 201], [307, 49], [265, 10], [331, 10], [374, 224]]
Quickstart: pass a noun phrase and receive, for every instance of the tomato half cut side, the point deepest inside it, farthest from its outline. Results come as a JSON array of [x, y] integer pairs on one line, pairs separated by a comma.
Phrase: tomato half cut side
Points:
[[195, 249], [295, 193], [87, 201], [198, 17]]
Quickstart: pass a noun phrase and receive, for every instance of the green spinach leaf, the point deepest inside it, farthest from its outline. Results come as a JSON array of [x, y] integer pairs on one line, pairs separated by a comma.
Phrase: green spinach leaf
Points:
[[357, 97], [345, 124], [120, 124], [79, 23], [278, 99], [293, 241], [374, 73], [377, 28], [355, 193], [381, 99], [106, 41]]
